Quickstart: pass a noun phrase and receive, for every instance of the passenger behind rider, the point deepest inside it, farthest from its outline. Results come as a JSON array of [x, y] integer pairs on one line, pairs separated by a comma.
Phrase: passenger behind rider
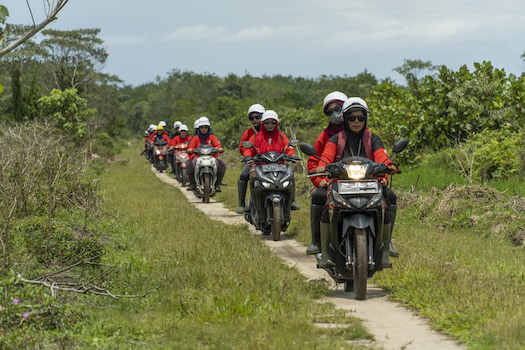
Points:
[[267, 140], [204, 136], [333, 109], [254, 115], [354, 140]]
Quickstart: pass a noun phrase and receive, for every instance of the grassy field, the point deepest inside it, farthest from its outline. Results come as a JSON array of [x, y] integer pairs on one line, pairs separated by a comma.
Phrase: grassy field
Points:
[[462, 262], [219, 287]]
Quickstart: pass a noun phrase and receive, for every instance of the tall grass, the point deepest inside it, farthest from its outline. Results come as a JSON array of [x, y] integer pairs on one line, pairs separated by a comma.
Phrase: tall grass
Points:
[[219, 286]]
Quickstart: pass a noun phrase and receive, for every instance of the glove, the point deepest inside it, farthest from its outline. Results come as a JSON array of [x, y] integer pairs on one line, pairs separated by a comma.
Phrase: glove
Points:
[[295, 157], [247, 159]]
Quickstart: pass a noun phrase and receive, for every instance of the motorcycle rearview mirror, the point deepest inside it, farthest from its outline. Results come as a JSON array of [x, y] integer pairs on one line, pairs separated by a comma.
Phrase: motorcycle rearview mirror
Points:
[[400, 146], [294, 143], [308, 149], [247, 144]]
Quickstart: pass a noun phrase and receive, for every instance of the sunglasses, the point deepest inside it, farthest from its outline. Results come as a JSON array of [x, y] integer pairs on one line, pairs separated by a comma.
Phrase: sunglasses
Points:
[[254, 116], [337, 109], [203, 126], [352, 118], [267, 122]]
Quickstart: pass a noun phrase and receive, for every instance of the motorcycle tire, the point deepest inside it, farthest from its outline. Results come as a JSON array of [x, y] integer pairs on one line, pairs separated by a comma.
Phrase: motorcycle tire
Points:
[[207, 188], [276, 221], [183, 177], [360, 264]]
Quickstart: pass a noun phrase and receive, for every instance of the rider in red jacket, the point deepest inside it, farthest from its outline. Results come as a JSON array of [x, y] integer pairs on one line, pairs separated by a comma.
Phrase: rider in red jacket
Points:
[[270, 139], [204, 136], [255, 112], [333, 109], [355, 140]]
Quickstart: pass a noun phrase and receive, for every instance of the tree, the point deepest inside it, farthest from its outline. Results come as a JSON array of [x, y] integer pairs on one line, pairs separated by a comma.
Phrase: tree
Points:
[[412, 71], [51, 9], [75, 56]]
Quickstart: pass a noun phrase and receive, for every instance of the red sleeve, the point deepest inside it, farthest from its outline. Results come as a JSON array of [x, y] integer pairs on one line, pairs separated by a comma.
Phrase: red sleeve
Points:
[[313, 162], [215, 141], [329, 153], [195, 142], [245, 137], [287, 148], [166, 138], [250, 151]]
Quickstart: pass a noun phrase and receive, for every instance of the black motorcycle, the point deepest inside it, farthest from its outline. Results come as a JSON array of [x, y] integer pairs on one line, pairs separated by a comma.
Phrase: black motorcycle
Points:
[[271, 197], [205, 172], [356, 218]]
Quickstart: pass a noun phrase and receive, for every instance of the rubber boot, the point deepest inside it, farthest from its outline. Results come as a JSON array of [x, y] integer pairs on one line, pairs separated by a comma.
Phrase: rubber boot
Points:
[[325, 244], [385, 262], [192, 185], [241, 192], [220, 176], [393, 210], [294, 205], [315, 228]]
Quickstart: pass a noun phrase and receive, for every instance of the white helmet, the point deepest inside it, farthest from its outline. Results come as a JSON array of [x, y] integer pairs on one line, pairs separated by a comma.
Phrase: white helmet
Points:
[[183, 127], [334, 96], [355, 103], [255, 108], [152, 127], [163, 124], [269, 114], [204, 121], [177, 124], [196, 123]]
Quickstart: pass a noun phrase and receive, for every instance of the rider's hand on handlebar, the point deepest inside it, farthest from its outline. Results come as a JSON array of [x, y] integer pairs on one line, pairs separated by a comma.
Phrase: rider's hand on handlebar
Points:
[[319, 169], [393, 168], [220, 149], [247, 159], [323, 183]]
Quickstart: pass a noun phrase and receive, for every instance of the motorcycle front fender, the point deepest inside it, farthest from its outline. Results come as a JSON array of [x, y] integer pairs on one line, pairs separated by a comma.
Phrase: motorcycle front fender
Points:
[[358, 221]]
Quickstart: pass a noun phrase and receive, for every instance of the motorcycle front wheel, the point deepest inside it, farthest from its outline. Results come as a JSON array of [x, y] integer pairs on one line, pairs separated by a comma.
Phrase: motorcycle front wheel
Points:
[[276, 221], [183, 177], [207, 188], [360, 264]]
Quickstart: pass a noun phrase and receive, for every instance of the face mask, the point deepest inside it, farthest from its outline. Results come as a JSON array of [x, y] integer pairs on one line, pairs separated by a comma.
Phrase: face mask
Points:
[[336, 117]]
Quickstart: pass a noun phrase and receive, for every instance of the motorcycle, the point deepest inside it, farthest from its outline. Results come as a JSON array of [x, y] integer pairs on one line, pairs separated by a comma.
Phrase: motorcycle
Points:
[[160, 154], [269, 207], [205, 172], [181, 159], [356, 218]]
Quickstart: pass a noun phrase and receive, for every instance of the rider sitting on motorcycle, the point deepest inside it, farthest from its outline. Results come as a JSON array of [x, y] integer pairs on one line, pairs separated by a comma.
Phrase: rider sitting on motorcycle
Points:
[[204, 136], [355, 140], [160, 134], [254, 115], [333, 109], [267, 140], [181, 137]]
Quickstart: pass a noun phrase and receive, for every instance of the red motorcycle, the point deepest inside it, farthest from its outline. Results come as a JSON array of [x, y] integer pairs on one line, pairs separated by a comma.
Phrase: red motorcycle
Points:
[[160, 154], [181, 159]]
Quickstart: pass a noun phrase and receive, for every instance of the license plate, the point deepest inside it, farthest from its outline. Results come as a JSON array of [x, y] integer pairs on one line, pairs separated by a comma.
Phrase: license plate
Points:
[[358, 187], [267, 168]]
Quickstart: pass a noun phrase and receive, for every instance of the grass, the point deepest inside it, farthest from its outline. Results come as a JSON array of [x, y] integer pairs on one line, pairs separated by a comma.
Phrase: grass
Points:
[[219, 286], [459, 265]]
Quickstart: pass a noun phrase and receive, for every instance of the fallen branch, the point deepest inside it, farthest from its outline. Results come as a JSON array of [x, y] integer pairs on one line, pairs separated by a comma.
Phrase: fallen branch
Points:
[[97, 291]]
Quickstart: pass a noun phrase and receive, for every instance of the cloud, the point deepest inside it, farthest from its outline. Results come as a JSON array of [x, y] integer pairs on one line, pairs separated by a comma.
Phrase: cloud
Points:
[[249, 34]]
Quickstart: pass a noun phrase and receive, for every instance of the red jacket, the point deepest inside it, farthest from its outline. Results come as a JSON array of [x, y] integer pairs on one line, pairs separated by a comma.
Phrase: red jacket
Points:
[[259, 141], [245, 137], [177, 140], [313, 162], [378, 152], [155, 137], [196, 141]]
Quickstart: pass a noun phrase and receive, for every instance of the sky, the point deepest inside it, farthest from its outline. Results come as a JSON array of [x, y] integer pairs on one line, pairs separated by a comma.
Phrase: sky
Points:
[[301, 38]]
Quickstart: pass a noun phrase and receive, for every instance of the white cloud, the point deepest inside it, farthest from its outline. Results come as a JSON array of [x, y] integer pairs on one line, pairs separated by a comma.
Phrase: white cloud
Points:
[[199, 32]]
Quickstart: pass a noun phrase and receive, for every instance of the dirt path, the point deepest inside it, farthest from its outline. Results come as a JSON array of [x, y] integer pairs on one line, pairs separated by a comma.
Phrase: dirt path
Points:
[[393, 326]]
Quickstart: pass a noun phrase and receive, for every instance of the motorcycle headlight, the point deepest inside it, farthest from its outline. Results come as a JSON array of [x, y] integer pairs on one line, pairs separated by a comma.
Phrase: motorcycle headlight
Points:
[[205, 151], [157, 151], [286, 183], [266, 184], [356, 171]]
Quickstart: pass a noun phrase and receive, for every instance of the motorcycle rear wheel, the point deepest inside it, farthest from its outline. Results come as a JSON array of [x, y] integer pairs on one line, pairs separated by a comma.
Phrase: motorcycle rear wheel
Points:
[[276, 221], [207, 188], [360, 264]]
